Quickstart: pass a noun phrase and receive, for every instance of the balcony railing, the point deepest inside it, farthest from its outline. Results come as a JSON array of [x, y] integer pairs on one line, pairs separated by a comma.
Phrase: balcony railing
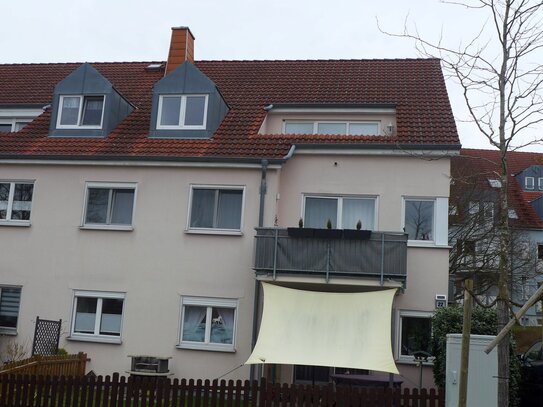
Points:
[[383, 255]]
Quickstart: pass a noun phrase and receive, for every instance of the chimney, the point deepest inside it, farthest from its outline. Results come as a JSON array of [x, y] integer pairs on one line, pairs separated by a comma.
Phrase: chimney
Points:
[[181, 48]]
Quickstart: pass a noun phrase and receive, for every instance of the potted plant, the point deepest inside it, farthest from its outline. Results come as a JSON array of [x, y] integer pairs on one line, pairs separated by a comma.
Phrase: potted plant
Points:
[[328, 233], [358, 233], [300, 231]]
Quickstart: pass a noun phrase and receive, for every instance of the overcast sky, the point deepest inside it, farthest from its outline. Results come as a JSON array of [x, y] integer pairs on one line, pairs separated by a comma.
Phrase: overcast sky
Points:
[[138, 30]]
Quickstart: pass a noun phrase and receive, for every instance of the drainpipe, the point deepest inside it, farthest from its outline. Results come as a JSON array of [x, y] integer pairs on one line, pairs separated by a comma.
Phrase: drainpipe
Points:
[[262, 193]]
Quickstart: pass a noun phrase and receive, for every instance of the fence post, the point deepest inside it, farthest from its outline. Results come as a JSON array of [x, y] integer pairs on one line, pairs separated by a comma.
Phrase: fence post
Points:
[[81, 363]]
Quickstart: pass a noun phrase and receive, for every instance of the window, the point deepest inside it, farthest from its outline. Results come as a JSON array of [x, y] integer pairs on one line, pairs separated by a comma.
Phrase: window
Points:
[[540, 251], [182, 112], [81, 111], [540, 183], [10, 125], [495, 183], [97, 316], [219, 208], [332, 127], [343, 212], [415, 333], [15, 202], [419, 219], [10, 298], [529, 182], [109, 205], [208, 323], [473, 207], [488, 210]]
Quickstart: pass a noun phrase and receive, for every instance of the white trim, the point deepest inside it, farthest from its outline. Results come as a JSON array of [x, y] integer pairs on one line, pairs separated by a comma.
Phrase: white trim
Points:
[[532, 182], [14, 121], [80, 112], [217, 231], [20, 113], [347, 124], [8, 220], [111, 186], [209, 303], [182, 113], [386, 110], [364, 150], [96, 337], [439, 223], [398, 345]]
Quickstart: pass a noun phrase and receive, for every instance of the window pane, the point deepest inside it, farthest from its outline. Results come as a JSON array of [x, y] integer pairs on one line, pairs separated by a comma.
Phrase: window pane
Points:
[[97, 203], [318, 211], [419, 220], [355, 210], [364, 129], [4, 197], [22, 201], [123, 205], [299, 128], [318, 374], [229, 210], [203, 208], [85, 315], [9, 307], [194, 324], [171, 108], [416, 334], [112, 311], [194, 110], [5, 128], [92, 111], [332, 128], [222, 325], [20, 125], [70, 110]]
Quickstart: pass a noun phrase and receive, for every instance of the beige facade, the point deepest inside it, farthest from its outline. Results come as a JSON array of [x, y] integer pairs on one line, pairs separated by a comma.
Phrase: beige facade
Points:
[[159, 261]]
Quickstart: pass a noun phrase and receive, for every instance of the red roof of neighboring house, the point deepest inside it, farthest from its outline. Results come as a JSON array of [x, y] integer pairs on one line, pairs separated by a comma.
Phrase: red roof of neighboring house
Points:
[[414, 86], [478, 166]]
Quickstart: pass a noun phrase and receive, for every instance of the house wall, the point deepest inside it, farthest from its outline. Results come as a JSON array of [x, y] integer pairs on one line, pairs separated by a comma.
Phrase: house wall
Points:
[[155, 264]]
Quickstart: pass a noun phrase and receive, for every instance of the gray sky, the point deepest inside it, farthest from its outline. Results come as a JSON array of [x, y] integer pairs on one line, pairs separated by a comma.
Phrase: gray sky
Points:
[[137, 30]]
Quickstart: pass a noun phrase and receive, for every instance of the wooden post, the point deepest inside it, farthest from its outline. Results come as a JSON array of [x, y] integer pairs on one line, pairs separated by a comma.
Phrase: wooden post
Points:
[[464, 355], [82, 363]]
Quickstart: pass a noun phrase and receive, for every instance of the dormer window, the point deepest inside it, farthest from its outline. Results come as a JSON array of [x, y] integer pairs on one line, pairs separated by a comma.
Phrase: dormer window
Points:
[[352, 128], [81, 112], [529, 182], [182, 112]]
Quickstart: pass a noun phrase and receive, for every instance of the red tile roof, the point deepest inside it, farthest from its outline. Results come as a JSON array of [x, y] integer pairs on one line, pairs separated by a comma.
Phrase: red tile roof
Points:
[[414, 86], [476, 167]]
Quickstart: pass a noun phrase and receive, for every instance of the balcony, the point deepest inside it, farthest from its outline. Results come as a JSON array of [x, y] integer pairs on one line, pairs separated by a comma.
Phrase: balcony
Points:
[[381, 256]]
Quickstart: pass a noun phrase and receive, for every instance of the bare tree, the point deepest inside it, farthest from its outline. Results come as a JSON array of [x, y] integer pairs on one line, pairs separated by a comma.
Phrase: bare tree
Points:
[[502, 80]]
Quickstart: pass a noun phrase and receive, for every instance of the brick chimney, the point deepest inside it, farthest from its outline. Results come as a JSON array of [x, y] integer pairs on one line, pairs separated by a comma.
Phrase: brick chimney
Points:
[[181, 48]]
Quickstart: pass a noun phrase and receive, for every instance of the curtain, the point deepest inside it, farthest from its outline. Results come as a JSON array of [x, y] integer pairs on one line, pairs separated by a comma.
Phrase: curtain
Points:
[[194, 323], [229, 209], [332, 128], [358, 209], [92, 110], [202, 211], [123, 204], [223, 331], [318, 211], [70, 110]]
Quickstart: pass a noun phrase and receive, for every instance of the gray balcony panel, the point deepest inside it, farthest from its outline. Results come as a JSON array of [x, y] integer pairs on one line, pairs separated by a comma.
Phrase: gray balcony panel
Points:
[[384, 255]]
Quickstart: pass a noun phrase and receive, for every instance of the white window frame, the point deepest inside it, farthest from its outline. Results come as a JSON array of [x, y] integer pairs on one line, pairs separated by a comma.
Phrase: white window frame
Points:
[[8, 220], [540, 183], [209, 303], [110, 186], [14, 122], [183, 107], [409, 314], [529, 183], [96, 337], [80, 113], [6, 330], [339, 214], [495, 183], [346, 122], [217, 231]]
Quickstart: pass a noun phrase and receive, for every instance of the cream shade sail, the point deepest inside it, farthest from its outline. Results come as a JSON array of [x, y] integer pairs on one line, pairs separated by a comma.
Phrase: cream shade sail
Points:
[[351, 330]]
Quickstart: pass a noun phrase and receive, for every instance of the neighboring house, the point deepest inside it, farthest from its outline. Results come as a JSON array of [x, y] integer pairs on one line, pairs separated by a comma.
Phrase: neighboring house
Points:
[[473, 217], [128, 206]]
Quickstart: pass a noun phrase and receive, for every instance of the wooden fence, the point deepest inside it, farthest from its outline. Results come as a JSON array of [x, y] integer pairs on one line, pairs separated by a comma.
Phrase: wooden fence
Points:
[[55, 365], [116, 391]]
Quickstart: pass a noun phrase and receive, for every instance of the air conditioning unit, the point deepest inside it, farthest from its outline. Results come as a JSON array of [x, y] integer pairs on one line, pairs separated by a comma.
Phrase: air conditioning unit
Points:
[[441, 301]]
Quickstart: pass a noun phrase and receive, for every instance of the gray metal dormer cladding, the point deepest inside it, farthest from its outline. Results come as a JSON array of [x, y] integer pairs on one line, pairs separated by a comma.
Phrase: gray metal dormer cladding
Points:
[[85, 104], [531, 178], [192, 93]]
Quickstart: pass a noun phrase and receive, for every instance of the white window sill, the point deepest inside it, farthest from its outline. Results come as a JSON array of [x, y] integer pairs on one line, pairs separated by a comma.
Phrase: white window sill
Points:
[[423, 243], [97, 339], [226, 232], [127, 228], [76, 127], [207, 346], [24, 224], [409, 360], [8, 331]]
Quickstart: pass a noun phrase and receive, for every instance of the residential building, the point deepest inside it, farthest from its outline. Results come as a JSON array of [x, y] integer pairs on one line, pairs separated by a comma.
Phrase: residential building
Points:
[[128, 206], [475, 204]]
